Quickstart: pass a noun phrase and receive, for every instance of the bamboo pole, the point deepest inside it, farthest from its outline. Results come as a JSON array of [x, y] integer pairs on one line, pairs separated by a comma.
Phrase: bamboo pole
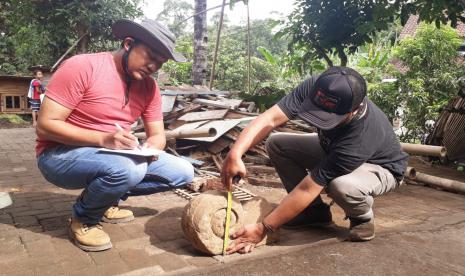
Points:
[[193, 133], [66, 53], [443, 183], [417, 149], [217, 46], [248, 49]]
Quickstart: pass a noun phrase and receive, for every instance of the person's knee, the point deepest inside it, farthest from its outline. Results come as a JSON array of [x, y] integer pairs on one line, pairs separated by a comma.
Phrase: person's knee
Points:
[[127, 176], [272, 145], [185, 172], [341, 189]]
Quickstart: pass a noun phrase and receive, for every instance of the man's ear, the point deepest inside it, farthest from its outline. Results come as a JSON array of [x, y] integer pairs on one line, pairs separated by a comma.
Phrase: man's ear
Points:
[[128, 42]]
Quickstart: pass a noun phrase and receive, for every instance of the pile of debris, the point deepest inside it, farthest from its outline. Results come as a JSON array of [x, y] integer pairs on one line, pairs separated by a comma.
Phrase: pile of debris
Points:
[[202, 125]]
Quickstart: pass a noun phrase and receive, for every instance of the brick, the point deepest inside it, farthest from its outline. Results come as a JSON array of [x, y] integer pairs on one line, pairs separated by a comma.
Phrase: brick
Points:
[[152, 270], [55, 214], [72, 263], [6, 218], [165, 230], [106, 257], [54, 223], [135, 258], [108, 269], [31, 236], [16, 209], [115, 232], [134, 229], [26, 221], [40, 248], [58, 233], [30, 212], [39, 205], [139, 243], [68, 251], [170, 261], [202, 261]]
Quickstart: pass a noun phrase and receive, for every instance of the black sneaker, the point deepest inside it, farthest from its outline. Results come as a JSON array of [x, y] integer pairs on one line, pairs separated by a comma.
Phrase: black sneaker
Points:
[[314, 216], [361, 230]]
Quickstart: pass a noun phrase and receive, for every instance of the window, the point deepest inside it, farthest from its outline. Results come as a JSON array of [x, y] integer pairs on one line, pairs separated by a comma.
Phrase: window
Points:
[[12, 102]]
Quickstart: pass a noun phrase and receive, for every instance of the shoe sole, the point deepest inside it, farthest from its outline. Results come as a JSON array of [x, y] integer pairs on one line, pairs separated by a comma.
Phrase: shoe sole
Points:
[[120, 220], [360, 239], [73, 239], [313, 225]]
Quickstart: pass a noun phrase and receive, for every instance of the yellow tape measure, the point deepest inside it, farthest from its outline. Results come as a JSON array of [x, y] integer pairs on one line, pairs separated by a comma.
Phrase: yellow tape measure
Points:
[[228, 222], [228, 217]]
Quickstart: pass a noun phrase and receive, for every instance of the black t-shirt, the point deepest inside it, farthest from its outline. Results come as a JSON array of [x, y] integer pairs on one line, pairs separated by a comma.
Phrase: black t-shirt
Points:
[[369, 139]]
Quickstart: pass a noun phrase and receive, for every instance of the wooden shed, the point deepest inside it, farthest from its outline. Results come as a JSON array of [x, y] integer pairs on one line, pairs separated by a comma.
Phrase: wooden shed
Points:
[[13, 94]]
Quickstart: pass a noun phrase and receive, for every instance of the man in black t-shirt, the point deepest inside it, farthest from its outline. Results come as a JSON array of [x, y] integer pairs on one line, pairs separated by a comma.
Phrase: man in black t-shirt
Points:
[[355, 156]]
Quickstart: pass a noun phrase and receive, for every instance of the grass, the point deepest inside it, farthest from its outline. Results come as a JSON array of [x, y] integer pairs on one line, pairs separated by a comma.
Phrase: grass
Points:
[[15, 121]]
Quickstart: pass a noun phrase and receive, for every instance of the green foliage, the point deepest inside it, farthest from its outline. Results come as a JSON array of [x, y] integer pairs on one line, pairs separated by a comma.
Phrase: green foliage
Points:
[[335, 27], [438, 11], [325, 29], [173, 14], [39, 32], [432, 76]]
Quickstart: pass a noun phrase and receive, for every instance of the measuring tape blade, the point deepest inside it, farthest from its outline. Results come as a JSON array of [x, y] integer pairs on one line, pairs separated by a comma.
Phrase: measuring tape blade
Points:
[[228, 221]]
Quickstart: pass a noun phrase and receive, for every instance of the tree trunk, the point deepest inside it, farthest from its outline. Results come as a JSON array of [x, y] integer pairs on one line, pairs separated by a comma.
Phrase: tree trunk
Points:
[[249, 67], [342, 56], [83, 44], [199, 68], [217, 46]]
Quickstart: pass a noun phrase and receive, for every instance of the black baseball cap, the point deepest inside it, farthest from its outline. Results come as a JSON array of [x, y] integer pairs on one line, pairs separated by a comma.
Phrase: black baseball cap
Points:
[[151, 33], [336, 92]]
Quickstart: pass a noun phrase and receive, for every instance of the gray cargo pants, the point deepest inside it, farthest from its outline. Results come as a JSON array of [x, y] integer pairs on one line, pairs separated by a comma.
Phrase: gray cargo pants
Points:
[[294, 155]]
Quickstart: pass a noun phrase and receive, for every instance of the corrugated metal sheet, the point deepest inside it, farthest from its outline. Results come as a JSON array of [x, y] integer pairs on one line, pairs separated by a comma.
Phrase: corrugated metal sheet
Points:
[[450, 130]]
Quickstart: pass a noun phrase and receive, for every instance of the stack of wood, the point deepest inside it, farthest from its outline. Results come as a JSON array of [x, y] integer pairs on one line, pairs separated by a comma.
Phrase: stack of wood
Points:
[[202, 125]]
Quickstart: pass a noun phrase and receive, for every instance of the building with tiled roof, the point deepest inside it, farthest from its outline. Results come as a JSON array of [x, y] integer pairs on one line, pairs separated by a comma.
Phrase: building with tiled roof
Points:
[[411, 27]]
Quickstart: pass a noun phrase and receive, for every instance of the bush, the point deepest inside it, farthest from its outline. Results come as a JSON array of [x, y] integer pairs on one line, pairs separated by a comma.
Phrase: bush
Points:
[[431, 81]]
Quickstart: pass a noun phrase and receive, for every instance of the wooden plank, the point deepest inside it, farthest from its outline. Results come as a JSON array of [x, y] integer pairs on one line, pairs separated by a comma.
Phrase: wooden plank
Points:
[[185, 110], [204, 115], [193, 92], [219, 145], [223, 103], [266, 182], [167, 103]]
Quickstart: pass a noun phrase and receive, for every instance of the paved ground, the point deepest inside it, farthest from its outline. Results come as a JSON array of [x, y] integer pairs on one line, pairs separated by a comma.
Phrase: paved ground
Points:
[[420, 231]]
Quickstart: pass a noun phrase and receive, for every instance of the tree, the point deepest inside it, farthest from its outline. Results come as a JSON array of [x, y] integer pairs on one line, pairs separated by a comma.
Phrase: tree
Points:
[[199, 68], [432, 77], [328, 27], [334, 27], [439, 12], [173, 14], [40, 31]]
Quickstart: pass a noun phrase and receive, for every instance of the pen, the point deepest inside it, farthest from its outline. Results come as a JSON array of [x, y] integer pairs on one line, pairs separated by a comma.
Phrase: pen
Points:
[[120, 128]]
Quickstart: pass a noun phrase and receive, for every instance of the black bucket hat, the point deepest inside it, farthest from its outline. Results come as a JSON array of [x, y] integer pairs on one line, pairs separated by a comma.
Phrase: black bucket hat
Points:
[[337, 92], [151, 33]]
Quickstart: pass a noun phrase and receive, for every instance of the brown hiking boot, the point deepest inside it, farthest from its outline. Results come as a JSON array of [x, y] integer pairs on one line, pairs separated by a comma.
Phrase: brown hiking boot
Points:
[[117, 215], [88, 237], [361, 230]]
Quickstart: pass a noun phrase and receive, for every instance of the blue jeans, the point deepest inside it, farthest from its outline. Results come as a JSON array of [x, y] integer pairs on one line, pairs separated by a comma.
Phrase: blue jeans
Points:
[[107, 178]]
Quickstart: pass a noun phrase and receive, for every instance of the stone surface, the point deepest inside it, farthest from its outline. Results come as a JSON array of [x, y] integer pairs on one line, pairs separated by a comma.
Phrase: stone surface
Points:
[[203, 220]]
